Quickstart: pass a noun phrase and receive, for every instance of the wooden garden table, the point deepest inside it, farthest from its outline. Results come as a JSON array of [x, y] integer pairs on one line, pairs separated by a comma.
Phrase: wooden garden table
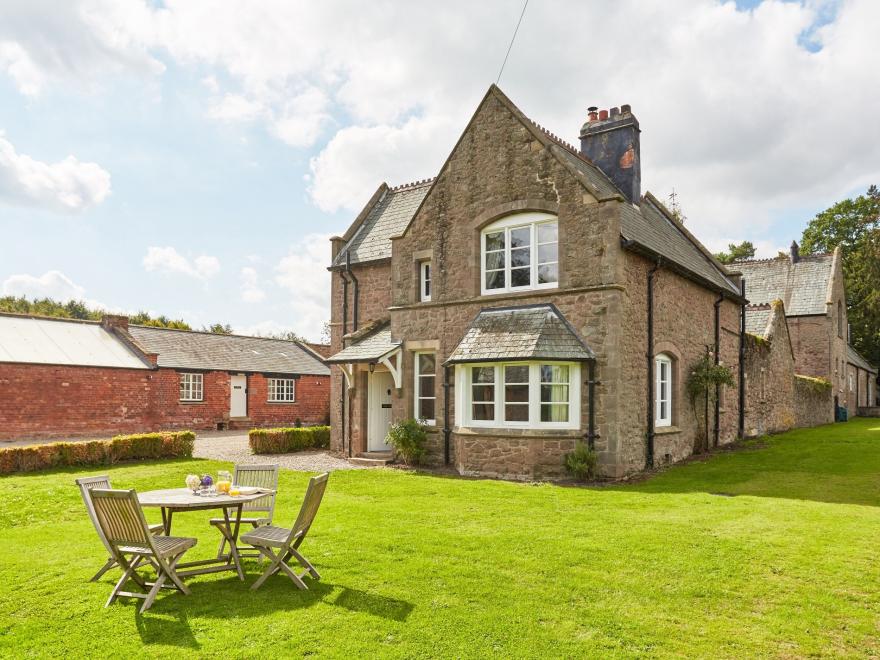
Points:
[[183, 499]]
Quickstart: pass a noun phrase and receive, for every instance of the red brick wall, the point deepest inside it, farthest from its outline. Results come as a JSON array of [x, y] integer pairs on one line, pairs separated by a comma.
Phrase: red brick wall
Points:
[[41, 401]]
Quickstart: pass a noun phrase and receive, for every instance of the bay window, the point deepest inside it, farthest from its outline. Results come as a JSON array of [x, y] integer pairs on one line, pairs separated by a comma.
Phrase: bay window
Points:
[[520, 252], [519, 395]]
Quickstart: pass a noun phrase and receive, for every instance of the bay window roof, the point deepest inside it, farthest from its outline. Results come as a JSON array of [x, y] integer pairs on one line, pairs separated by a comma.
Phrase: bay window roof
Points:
[[529, 332], [374, 345]]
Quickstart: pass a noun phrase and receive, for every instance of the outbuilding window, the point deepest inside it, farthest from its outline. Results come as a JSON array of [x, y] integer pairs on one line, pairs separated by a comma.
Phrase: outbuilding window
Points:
[[519, 253], [425, 387], [663, 390], [282, 390], [191, 387], [519, 394]]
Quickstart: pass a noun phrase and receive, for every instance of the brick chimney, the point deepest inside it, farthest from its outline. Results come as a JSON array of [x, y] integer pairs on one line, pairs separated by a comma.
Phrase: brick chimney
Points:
[[794, 252], [110, 321], [610, 139]]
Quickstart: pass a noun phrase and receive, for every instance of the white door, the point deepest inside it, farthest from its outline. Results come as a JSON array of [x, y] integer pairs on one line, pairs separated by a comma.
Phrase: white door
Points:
[[238, 396], [379, 410]]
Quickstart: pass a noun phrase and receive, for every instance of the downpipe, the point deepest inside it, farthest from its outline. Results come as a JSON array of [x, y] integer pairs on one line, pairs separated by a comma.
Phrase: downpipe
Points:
[[717, 430]]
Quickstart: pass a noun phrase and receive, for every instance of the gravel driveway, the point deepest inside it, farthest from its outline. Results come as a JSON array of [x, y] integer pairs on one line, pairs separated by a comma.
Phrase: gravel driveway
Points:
[[233, 446]]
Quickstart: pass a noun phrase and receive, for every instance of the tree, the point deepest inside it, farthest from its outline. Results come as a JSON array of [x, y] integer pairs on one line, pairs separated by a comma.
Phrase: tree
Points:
[[854, 225], [76, 309], [219, 329], [736, 251]]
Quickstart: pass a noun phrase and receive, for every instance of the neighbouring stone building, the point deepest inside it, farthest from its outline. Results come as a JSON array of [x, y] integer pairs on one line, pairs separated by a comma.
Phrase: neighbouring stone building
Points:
[[810, 290], [530, 297], [64, 378]]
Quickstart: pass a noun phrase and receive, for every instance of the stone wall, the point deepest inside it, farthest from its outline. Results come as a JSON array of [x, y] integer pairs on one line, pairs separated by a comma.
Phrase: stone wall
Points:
[[814, 403], [683, 328], [770, 383]]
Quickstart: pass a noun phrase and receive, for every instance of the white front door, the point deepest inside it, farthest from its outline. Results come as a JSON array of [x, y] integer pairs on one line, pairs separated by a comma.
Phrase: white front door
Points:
[[238, 396], [381, 384]]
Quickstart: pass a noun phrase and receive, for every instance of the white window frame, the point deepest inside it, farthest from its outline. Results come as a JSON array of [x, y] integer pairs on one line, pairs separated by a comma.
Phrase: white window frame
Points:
[[425, 280], [464, 410], [188, 384], [852, 387], [418, 395], [531, 220], [663, 366], [284, 386]]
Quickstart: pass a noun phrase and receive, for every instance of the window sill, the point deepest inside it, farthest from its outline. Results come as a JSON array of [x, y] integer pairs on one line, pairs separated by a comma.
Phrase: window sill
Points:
[[666, 430], [190, 403], [518, 432], [275, 403]]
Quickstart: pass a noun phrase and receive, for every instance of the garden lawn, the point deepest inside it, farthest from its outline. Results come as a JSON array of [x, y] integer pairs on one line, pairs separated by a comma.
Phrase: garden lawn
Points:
[[768, 551]]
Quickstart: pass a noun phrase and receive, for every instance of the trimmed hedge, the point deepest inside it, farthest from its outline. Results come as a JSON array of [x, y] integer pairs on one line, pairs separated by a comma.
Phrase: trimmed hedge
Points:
[[177, 444], [286, 440]]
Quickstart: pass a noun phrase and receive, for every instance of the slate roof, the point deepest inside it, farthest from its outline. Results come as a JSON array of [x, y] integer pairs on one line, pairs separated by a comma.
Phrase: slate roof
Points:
[[802, 286], [370, 348], [389, 217], [520, 333], [854, 357], [180, 349], [648, 227], [34, 340], [757, 318]]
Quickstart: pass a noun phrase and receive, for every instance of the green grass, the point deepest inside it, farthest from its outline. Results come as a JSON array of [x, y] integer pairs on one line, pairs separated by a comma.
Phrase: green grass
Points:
[[421, 566]]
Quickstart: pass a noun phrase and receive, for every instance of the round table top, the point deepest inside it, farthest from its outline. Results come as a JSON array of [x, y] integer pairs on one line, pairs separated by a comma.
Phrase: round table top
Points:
[[183, 498]]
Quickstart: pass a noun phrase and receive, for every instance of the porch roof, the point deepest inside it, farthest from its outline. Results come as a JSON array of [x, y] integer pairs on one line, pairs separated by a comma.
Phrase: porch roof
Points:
[[370, 348], [530, 332]]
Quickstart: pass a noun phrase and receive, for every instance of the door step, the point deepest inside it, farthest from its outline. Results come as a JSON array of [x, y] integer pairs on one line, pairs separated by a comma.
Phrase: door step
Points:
[[373, 458]]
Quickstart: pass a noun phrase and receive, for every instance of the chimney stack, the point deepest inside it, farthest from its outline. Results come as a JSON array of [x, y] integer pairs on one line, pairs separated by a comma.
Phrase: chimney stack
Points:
[[794, 252], [110, 321], [611, 141]]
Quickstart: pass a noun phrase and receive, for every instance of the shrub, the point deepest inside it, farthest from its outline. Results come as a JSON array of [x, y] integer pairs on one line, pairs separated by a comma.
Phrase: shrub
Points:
[[177, 444], [286, 440], [581, 463], [408, 439]]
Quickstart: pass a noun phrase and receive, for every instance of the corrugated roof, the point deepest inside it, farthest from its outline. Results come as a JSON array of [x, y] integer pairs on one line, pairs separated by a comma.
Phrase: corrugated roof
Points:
[[180, 349], [47, 341], [370, 348], [534, 332], [651, 229], [389, 217], [757, 318], [802, 286], [854, 357]]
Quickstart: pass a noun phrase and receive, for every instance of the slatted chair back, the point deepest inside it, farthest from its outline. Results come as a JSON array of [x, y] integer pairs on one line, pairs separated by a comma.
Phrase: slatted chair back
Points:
[[260, 476], [121, 518], [309, 508], [85, 485]]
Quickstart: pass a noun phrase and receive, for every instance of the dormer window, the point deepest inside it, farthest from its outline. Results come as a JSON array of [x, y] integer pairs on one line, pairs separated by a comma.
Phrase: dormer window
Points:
[[425, 281], [519, 253]]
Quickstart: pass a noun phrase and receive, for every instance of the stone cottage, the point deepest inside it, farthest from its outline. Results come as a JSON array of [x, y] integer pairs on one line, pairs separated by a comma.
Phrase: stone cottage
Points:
[[527, 298]]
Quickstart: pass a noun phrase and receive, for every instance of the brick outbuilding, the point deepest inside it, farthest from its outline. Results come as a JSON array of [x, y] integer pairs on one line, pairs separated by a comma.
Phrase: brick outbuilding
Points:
[[63, 378]]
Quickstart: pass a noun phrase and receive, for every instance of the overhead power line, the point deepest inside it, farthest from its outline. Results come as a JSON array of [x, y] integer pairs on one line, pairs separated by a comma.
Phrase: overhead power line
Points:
[[512, 39]]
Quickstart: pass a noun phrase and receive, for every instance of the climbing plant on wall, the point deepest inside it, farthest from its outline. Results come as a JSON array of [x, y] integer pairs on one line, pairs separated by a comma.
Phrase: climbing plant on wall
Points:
[[703, 377]]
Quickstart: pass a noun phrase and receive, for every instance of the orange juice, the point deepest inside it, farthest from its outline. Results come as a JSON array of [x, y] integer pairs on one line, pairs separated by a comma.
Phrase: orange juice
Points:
[[224, 486]]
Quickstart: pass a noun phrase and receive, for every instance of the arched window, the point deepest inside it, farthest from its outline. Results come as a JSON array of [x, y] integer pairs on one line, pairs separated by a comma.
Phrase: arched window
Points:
[[663, 390], [520, 252]]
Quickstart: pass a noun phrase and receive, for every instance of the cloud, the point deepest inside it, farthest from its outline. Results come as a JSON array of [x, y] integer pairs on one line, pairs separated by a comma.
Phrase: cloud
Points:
[[250, 287], [234, 107], [68, 185], [168, 260], [51, 284], [303, 273], [45, 43]]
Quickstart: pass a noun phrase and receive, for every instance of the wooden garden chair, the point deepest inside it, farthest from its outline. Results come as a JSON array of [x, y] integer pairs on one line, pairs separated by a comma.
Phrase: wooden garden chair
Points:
[[85, 485], [260, 476], [133, 545], [279, 544]]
